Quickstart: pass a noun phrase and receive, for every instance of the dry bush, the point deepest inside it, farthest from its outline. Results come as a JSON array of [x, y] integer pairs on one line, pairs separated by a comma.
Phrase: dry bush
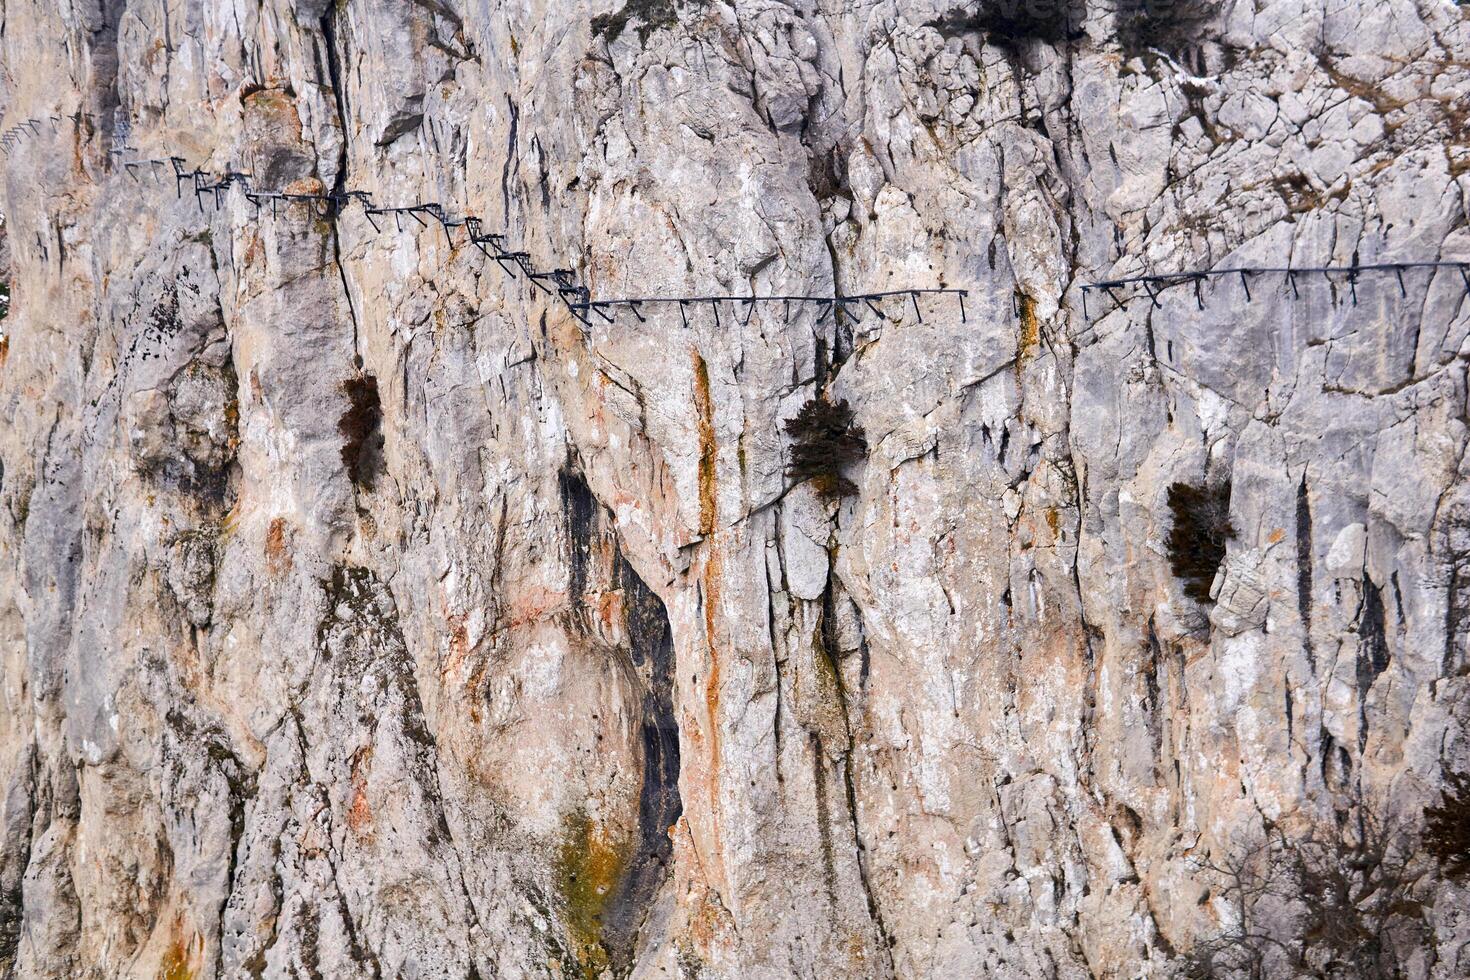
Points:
[[1335, 905], [1170, 26], [1197, 538], [827, 439], [1013, 22], [361, 427], [1447, 832]]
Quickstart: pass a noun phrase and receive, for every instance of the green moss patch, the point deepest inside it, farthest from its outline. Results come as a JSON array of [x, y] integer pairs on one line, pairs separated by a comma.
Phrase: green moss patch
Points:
[[589, 867]]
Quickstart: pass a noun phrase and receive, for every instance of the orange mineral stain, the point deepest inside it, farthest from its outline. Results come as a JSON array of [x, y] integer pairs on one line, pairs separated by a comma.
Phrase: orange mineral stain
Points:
[[708, 497]]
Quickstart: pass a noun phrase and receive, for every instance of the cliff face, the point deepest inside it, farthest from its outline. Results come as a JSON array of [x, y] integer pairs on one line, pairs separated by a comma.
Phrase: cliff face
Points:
[[364, 613]]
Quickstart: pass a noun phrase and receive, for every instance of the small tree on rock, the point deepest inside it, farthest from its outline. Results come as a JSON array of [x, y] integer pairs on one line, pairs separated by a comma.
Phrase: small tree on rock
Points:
[[1447, 834], [827, 439]]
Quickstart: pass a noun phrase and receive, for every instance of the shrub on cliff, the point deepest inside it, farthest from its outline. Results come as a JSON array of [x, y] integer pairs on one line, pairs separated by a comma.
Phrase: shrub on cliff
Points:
[[1336, 904], [648, 15], [827, 439], [1197, 539], [1012, 22], [1447, 834], [1171, 26], [361, 428]]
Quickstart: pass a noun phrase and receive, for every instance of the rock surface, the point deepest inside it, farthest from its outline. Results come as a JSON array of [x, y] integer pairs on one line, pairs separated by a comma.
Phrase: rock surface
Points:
[[362, 613]]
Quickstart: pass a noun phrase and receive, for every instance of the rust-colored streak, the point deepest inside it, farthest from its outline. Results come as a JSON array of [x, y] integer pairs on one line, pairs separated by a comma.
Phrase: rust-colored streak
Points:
[[708, 498], [1030, 335], [705, 411], [254, 256], [277, 556], [178, 958], [712, 681], [359, 811], [475, 685], [459, 645]]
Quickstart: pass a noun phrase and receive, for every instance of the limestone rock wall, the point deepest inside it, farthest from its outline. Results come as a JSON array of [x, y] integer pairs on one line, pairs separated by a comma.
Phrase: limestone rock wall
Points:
[[363, 613]]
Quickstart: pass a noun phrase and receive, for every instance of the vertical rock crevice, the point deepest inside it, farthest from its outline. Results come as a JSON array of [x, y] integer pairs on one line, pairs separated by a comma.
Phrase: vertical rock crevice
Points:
[[1304, 568], [829, 644], [651, 646], [609, 886], [328, 30], [1373, 650]]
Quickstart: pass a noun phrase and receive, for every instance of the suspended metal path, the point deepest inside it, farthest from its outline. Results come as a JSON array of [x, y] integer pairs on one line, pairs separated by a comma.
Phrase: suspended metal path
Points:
[[577, 298], [516, 264], [1155, 283]]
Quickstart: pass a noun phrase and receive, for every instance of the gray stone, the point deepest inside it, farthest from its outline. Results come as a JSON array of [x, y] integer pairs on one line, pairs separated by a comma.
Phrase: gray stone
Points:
[[581, 683]]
